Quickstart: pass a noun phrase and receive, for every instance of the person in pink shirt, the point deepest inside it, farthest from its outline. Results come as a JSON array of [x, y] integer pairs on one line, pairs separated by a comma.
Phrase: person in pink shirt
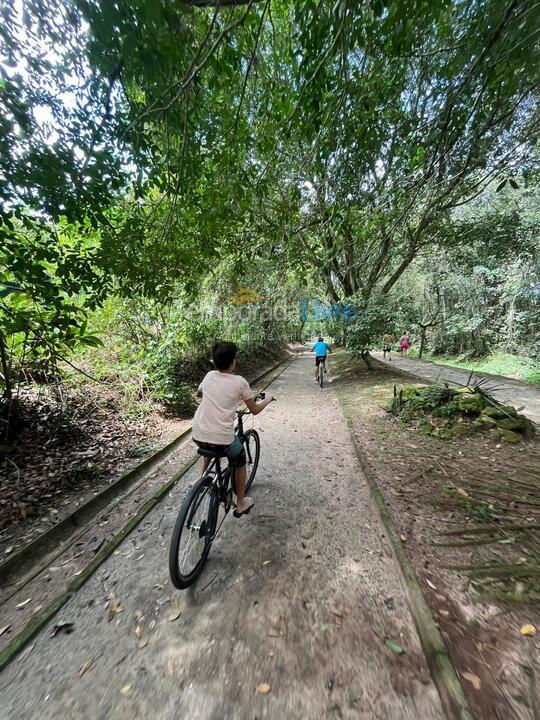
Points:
[[405, 343]]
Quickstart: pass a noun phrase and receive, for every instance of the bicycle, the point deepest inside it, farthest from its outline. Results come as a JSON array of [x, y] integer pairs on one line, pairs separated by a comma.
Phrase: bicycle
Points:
[[320, 372], [197, 520]]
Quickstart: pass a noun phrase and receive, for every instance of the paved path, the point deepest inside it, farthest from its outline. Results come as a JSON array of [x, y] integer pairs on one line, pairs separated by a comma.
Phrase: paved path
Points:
[[292, 596], [508, 390]]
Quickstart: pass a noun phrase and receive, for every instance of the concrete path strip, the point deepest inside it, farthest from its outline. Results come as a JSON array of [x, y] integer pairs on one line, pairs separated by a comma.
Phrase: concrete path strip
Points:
[[300, 612]]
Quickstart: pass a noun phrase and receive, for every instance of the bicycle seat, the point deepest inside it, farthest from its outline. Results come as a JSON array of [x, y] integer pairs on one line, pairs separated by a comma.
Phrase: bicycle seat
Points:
[[211, 453]]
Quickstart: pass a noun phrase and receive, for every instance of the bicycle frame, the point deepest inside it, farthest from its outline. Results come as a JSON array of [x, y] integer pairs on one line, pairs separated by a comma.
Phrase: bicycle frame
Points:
[[224, 476]]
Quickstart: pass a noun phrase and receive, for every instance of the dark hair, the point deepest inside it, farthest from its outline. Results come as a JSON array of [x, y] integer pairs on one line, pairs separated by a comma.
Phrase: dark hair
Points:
[[223, 354], [321, 338]]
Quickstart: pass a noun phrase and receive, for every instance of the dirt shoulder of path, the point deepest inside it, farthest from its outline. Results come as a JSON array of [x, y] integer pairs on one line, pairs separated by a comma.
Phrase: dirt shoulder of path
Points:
[[452, 501]]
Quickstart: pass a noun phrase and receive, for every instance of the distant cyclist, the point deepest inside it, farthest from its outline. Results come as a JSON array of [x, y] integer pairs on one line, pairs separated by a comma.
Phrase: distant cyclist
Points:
[[321, 349]]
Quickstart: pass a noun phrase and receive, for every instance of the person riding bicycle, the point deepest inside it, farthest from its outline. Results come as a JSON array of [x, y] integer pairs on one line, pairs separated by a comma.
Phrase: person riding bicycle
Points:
[[321, 349], [213, 425]]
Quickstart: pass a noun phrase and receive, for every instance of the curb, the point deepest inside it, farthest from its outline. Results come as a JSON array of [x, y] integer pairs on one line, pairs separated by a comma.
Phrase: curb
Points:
[[453, 700], [18, 642], [51, 538], [37, 623]]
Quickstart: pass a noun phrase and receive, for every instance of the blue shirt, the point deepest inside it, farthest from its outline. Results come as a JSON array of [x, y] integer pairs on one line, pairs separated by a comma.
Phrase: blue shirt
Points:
[[321, 348]]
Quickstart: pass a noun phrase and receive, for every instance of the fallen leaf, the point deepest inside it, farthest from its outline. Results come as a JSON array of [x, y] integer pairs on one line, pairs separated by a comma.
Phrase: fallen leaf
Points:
[[138, 632], [23, 603], [463, 492], [266, 562], [114, 606], [143, 644], [63, 626], [175, 616], [390, 603], [354, 694], [403, 537], [264, 688], [528, 630], [431, 585], [126, 689], [444, 613], [8, 550], [473, 679], [4, 629], [171, 667], [394, 646], [87, 665]]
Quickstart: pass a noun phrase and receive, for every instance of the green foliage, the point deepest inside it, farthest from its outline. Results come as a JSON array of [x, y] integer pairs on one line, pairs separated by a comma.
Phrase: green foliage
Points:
[[50, 281], [372, 321]]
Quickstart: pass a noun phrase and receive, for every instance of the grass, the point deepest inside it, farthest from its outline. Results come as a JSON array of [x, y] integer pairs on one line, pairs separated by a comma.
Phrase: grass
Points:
[[500, 363]]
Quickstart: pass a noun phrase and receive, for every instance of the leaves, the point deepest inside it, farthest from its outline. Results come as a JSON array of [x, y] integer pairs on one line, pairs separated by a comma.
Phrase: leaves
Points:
[[86, 666], [528, 630], [23, 603], [63, 626], [264, 688], [394, 646], [473, 679], [113, 606]]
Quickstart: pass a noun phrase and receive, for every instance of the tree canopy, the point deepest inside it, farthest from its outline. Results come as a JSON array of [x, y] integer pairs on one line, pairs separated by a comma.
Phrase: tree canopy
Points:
[[337, 140]]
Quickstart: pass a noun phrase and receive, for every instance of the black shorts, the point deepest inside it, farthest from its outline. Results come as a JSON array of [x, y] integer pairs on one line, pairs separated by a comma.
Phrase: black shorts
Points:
[[235, 453], [387, 348], [320, 359]]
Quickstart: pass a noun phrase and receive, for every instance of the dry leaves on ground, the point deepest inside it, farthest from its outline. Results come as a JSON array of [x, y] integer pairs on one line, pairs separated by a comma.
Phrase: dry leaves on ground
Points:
[[473, 679]]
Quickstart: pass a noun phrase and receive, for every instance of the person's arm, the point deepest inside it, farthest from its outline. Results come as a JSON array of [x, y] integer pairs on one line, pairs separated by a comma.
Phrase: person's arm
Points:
[[328, 348], [256, 407]]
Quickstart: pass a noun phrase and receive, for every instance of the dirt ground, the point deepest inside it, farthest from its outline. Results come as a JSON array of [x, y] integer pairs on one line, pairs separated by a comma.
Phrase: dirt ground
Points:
[[451, 501], [300, 595]]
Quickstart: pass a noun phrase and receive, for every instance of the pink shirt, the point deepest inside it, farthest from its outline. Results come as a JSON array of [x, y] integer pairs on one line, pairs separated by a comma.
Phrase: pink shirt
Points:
[[215, 416]]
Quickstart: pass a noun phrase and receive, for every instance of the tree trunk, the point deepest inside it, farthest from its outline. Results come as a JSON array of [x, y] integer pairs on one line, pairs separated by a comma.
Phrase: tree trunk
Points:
[[366, 357], [422, 341], [6, 371]]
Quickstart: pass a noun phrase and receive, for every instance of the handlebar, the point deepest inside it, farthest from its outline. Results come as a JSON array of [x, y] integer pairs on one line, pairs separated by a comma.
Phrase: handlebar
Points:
[[257, 398]]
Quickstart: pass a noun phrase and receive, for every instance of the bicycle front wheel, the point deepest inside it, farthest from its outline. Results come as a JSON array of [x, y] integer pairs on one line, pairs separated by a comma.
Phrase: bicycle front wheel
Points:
[[193, 533], [252, 447]]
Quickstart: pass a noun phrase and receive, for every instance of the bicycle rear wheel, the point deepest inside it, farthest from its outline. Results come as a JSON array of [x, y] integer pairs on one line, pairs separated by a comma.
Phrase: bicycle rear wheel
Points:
[[321, 374], [252, 447], [193, 533]]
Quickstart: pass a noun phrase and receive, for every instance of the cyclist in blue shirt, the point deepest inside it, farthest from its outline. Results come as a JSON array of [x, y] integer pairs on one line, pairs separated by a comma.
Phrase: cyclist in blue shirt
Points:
[[320, 349]]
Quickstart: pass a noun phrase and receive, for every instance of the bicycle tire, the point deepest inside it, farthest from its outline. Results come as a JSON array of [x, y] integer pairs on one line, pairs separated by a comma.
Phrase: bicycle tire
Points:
[[321, 374], [252, 446], [201, 490]]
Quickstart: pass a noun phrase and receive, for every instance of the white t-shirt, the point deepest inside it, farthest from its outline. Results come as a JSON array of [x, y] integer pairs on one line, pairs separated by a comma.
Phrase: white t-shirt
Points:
[[215, 416]]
